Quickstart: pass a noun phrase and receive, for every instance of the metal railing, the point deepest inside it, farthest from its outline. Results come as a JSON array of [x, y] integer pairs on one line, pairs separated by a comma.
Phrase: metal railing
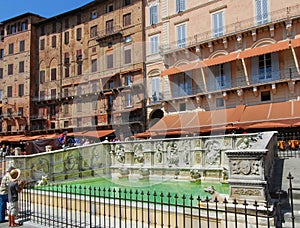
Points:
[[77, 206], [280, 15], [288, 144]]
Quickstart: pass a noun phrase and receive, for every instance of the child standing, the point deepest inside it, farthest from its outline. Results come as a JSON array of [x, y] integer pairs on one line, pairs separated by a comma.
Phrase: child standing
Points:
[[14, 187]]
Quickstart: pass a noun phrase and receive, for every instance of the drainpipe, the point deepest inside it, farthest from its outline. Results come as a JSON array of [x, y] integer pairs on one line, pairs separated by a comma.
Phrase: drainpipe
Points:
[[60, 67], [144, 67]]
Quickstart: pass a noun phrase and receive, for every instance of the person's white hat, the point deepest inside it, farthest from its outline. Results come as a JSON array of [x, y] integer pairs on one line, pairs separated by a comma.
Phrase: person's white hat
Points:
[[15, 174]]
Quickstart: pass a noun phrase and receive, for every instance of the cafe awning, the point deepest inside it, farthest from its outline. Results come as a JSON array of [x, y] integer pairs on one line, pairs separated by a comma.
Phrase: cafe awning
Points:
[[264, 49], [271, 115], [221, 59], [96, 133]]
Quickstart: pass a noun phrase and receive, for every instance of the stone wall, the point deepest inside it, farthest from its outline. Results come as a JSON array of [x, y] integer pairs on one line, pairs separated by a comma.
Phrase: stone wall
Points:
[[65, 164]]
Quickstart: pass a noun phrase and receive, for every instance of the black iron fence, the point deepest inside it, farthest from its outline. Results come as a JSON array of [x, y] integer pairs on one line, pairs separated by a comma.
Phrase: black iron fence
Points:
[[77, 206], [289, 144]]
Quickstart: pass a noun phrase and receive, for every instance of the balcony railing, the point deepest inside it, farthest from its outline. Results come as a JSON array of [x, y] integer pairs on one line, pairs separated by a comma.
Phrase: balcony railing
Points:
[[283, 14], [112, 31], [286, 75]]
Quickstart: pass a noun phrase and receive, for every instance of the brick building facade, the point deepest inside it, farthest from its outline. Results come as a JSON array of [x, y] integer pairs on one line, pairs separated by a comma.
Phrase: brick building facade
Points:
[[87, 73], [121, 66]]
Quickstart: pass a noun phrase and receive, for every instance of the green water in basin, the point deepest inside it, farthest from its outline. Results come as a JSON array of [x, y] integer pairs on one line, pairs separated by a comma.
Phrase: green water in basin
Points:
[[163, 190]]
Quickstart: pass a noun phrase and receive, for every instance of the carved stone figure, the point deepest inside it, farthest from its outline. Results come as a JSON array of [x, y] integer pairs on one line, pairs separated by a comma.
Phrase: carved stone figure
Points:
[[245, 167], [172, 153], [138, 153], [40, 168], [215, 195], [120, 153], [195, 174], [213, 151], [70, 162], [159, 154], [243, 144], [43, 181]]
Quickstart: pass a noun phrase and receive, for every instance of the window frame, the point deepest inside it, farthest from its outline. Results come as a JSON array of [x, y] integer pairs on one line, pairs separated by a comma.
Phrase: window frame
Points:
[[153, 14], [181, 35], [154, 44], [22, 45], [218, 23], [53, 74], [180, 6], [126, 19], [21, 67], [109, 61], [94, 65]]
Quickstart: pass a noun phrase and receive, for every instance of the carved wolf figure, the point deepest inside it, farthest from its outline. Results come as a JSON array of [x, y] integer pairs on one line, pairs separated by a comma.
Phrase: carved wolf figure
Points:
[[43, 181], [215, 195]]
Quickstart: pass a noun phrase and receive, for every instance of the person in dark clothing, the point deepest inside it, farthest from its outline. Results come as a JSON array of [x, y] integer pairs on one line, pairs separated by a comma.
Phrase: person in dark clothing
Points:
[[14, 187], [4, 193]]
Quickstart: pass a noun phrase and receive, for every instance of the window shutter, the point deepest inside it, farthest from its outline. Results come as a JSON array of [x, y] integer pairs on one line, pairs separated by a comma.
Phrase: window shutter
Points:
[[177, 5], [258, 11], [265, 10], [275, 66], [155, 15], [254, 69], [221, 23]]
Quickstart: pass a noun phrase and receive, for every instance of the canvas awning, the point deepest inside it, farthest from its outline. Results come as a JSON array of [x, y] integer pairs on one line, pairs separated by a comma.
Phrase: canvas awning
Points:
[[264, 49], [182, 68], [272, 115], [221, 59], [96, 133], [295, 43]]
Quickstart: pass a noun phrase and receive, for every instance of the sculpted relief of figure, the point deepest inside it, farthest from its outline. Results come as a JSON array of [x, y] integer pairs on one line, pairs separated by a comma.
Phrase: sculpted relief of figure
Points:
[[243, 144], [159, 152], [245, 167], [120, 153], [186, 152], [172, 153], [213, 150], [71, 162], [40, 168], [138, 153]]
